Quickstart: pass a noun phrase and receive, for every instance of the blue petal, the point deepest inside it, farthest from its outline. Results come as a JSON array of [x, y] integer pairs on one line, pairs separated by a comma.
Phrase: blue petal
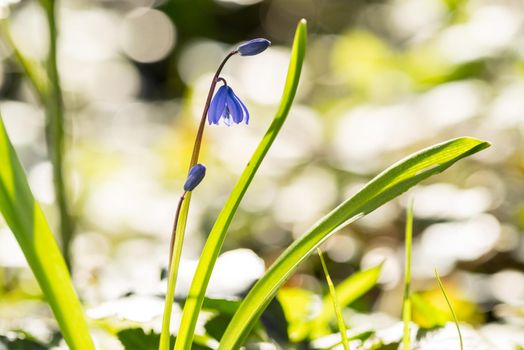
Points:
[[234, 107], [245, 112], [218, 105]]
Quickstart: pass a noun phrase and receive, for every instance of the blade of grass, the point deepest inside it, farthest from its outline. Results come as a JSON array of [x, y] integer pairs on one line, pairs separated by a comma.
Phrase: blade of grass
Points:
[[406, 305], [218, 233], [27, 222], [333, 294], [386, 186], [441, 286], [347, 292]]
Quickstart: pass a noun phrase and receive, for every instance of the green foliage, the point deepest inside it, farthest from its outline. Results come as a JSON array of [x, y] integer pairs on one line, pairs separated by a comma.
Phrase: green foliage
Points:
[[386, 186], [27, 222], [18, 343], [218, 232], [138, 339], [406, 304], [334, 300]]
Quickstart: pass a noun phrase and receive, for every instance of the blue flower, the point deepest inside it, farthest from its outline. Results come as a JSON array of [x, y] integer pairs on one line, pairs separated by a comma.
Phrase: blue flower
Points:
[[195, 176], [228, 107], [253, 47]]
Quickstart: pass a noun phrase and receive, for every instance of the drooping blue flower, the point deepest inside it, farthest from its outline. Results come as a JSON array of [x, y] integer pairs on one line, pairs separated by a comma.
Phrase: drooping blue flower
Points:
[[227, 106], [195, 176], [253, 47]]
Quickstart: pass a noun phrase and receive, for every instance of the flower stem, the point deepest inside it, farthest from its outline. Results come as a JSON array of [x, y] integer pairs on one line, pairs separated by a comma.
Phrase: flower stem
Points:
[[177, 238], [55, 131]]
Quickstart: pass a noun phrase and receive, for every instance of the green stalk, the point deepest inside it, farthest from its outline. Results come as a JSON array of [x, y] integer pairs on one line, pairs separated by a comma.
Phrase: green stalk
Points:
[[340, 319], [179, 227], [55, 132], [218, 233], [406, 306], [441, 286]]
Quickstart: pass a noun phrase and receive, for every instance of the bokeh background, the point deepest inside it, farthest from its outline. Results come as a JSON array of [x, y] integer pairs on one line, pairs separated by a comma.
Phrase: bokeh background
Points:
[[381, 80]]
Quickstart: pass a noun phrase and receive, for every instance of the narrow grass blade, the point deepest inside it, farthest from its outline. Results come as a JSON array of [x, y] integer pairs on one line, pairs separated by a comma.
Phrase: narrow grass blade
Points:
[[25, 218], [441, 286], [338, 311], [406, 305], [386, 186], [347, 292], [218, 233]]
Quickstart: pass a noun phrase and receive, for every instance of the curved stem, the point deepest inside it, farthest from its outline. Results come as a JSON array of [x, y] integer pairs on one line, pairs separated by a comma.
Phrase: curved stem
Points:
[[177, 238], [175, 224], [200, 132]]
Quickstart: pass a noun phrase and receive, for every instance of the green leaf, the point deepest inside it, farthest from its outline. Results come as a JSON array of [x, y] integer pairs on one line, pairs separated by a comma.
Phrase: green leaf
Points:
[[20, 343], [218, 233], [386, 186], [27, 222], [347, 292], [406, 304], [334, 300]]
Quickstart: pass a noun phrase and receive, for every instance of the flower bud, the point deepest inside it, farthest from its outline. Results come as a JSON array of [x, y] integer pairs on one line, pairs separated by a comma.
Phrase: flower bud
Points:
[[195, 176], [253, 47]]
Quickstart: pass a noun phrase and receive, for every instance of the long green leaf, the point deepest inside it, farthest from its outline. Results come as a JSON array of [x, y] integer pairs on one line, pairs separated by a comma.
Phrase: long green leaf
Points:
[[25, 218], [334, 300], [406, 304], [218, 232], [386, 186]]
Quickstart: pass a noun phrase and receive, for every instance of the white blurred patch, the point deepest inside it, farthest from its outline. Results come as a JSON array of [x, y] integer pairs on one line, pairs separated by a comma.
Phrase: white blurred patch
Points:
[[504, 336], [363, 134], [89, 35], [508, 286], [507, 109], [309, 194], [300, 137], [132, 201], [234, 272], [390, 274], [147, 35], [23, 121], [442, 245], [41, 182], [262, 77], [134, 308], [446, 201], [29, 31], [416, 18], [116, 80], [10, 253], [451, 103], [489, 30], [198, 59]]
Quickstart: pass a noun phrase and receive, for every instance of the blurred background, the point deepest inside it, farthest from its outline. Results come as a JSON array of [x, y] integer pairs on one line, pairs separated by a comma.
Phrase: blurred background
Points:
[[382, 79]]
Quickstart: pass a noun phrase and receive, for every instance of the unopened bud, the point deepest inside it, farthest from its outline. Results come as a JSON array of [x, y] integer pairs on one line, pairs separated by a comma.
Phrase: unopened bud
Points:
[[253, 47], [195, 176]]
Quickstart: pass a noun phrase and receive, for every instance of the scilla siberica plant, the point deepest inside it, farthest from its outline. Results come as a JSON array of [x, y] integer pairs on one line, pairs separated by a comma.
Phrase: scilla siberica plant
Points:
[[224, 106]]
